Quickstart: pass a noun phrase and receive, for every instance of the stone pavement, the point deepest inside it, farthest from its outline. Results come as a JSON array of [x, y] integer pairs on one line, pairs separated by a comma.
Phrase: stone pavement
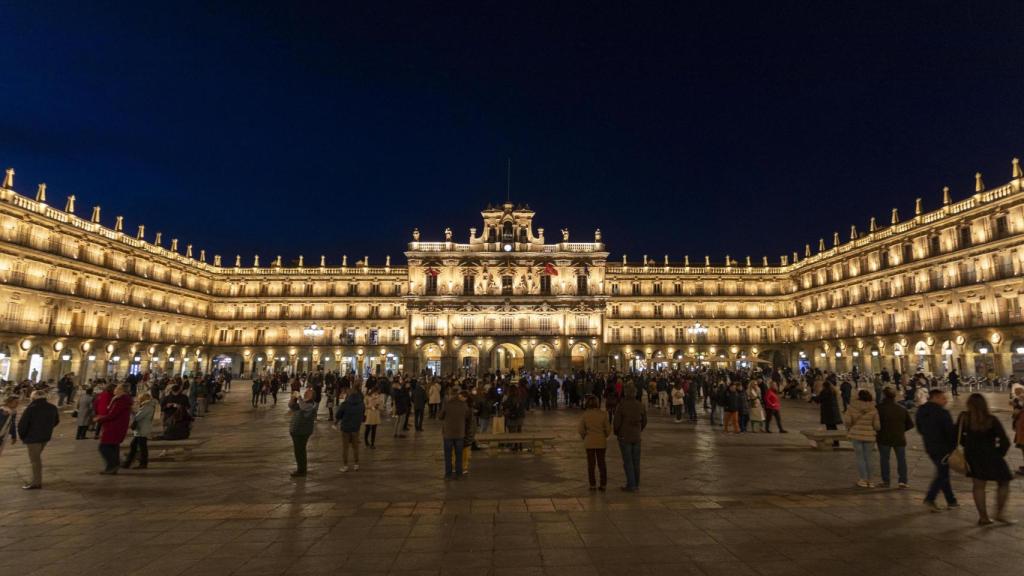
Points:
[[710, 504]]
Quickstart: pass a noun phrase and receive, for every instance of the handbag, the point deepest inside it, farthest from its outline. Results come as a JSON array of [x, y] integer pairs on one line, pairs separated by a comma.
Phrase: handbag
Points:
[[956, 460]]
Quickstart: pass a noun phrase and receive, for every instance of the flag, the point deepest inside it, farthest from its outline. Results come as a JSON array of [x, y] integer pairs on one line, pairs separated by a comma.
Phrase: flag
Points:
[[549, 269], [433, 271]]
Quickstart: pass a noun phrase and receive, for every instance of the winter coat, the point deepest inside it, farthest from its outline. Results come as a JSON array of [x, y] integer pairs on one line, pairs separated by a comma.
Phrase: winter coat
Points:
[[402, 401], [771, 400], [303, 420], [456, 418], [594, 429], [350, 413], [102, 402], [630, 420], [419, 397], [985, 450], [374, 404], [830, 414], [116, 420], [754, 400], [862, 420], [434, 394], [37, 421], [893, 423], [85, 409], [936, 428], [143, 419]]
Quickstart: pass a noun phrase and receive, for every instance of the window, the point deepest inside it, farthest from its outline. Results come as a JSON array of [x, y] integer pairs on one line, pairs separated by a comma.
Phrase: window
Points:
[[883, 259], [615, 289], [615, 310], [467, 323], [222, 336], [763, 336], [261, 335], [545, 284], [581, 284], [507, 232], [545, 323], [506, 285], [582, 324], [431, 284], [657, 288], [522, 234], [658, 310], [350, 336], [1002, 230], [468, 284], [659, 334], [430, 324], [908, 253], [934, 245], [353, 289], [965, 237], [638, 335], [374, 289], [396, 335], [636, 288], [375, 311], [680, 333], [372, 336], [507, 323], [616, 334], [237, 336]]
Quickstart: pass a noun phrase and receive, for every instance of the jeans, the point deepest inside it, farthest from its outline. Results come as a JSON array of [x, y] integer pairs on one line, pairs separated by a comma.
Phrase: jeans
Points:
[[901, 462], [401, 421], [862, 452], [631, 463], [485, 424], [35, 456], [349, 440], [110, 456], [941, 481], [299, 442], [139, 445], [595, 457], [453, 453]]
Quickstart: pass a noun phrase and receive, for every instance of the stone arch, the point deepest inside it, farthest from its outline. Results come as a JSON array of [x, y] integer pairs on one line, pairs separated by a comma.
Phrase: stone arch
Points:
[[581, 355], [543, 357], [507, 356], [469, 359]]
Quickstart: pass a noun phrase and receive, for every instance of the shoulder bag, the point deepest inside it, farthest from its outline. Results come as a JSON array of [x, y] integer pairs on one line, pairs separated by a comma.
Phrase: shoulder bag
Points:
[[956, 460]]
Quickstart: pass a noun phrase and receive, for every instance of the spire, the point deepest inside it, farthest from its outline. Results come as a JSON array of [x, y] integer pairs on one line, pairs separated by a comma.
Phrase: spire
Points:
[[277, 261], [9, 179], [1016, 172], [238, 260], [748, 261], [784, 260], [69, 207], [202, 255], [707, 260], [302, 261], [895, 216], [41, 192], [387, 260], [686, 260], [853, 232], [835, 239], [645, 259], [623, 259], [821, 244], [979, 184], [666, 259], [796, 257], [323, 260], [188, 251], [141, 234], [256, 261], [917, 207], [119, 224], [728, 261], [174, 244], [216, 260], [945, 195], [764, 261], [872, 226], [159, 239], [807, 250], [95, 214], [344, 260]]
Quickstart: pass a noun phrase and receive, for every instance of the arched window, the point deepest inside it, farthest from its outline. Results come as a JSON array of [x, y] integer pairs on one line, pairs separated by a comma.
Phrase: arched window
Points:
[[507, 232]]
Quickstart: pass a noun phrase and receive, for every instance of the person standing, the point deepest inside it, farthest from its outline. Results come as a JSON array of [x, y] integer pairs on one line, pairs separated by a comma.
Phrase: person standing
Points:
[[100, 405], [757, 418], [954, 383], [35, 428], [350, 416], [301, 427], [630, 421], [142, 427], [936, 428], [678, 399], [733, 400], [862, 421], [893, 423], [373, 406], [114, 424], [419, 403], [9, 422], [434, 398], [594, 429], [402, 401], [1017, 419], [456, 417], [85, 413], [985, 445], [831, 417]]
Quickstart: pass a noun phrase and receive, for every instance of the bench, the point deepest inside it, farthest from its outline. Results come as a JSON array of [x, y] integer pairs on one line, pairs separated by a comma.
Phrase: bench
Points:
[[183, 448], [822, 438], [537, 439]]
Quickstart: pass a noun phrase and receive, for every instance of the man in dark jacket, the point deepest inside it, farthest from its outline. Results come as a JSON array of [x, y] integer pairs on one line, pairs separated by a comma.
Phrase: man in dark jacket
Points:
[[301, 427], [936, 428], [456, 418], [630, 420], [35, 427], [350, 417], [402, 401], [893, 422], [419, 404]]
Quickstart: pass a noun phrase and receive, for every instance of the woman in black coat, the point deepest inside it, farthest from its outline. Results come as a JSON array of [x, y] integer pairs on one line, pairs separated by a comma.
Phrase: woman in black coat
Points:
[[985, 445], [830, 415]]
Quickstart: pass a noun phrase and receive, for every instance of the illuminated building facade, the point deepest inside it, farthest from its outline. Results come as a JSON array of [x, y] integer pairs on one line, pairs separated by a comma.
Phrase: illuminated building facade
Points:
[[938, 290]]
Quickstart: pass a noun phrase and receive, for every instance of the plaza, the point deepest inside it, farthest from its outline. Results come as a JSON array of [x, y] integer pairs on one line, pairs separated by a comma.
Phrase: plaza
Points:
[[710, 503]]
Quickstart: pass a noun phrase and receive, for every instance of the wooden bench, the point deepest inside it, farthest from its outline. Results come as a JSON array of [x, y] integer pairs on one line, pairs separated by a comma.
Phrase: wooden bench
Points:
[[182, 448], [537, 439], [823, 438]]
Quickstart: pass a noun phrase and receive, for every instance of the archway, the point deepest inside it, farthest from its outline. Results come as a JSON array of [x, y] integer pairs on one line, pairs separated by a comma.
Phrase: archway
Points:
[[984, 361], [580, 355], [35, 364], [1017, 357], [5, 362], [543, 357], [923, 357], [432, 359], [507, 356], [469, 359]]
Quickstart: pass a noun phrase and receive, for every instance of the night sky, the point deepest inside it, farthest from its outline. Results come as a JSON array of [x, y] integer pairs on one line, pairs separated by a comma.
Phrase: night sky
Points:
[[678, 127]]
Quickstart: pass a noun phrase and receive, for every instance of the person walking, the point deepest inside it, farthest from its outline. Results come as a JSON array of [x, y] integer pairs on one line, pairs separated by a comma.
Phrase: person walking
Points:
[[935, 426], [419, 403], [9, 422], [373, 406], [862, 422], [402, 403], [85, 413], [434, 398], [773, 409], [985, 445], [142, 428], [456, 417], [893, 423], [301, 426], [629, 423], [1017, 419], [733, 400], [114, 427], [594, 429], [350, 416], [35, 428]]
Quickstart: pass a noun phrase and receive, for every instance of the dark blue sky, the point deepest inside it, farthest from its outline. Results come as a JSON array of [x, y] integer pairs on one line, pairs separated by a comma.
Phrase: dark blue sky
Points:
[[675, 127]]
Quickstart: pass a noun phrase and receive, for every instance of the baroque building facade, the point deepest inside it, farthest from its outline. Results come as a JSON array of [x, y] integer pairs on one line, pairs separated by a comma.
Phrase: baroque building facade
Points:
[[933, 292]]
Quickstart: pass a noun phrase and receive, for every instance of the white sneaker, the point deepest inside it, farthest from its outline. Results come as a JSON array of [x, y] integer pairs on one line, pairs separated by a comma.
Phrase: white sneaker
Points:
[[863, 484], [355, 467], [343, 469]]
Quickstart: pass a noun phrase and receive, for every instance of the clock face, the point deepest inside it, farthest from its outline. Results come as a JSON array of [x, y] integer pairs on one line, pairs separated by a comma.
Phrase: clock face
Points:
[[507, 247]]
